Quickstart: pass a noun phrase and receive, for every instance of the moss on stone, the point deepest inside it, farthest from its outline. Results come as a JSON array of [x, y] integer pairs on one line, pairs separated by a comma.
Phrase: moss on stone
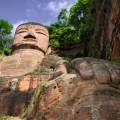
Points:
[[108, 92], [3, 117], [116, 59]]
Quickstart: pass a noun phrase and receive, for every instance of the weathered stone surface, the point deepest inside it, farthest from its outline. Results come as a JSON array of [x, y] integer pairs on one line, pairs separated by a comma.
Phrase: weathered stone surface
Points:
[[71, 96], [20, 87], [3, 117], [31, 34], [75, 99], [12, 102], [40, 87], [19, 64], [104, 41], [102, 70], [29, 47]]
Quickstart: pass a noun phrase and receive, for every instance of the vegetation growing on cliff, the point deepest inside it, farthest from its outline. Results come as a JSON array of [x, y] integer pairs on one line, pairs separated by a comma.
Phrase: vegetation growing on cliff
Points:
[[5, 38], [95, 23]]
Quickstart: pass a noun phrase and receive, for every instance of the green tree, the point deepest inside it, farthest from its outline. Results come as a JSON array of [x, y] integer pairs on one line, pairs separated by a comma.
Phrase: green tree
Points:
[[72, 26], [5, 38], [63, 16], [79, 19], [61, 32], [79, 13]]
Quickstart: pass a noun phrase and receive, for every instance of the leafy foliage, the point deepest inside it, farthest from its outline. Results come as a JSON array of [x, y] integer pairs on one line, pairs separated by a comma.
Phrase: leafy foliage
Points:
[[79, 13], [62, 17], [72, 26], [62, 34], [5, 38]]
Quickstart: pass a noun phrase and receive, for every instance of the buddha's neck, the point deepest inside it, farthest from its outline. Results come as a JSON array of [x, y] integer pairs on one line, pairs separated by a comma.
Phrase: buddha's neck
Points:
[[24, 53]]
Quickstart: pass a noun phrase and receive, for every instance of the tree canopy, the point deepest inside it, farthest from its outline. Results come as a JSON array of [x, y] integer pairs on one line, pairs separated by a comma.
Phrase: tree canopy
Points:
[[71, 27], [5, 38]]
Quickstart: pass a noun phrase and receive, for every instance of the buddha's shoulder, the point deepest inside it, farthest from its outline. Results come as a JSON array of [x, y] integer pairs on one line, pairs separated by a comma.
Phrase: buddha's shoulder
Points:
[[51, 60], [48, 64]]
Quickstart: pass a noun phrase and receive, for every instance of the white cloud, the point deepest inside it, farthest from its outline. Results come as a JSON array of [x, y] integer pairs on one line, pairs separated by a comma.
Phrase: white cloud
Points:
[[52, 6], [63, 4], [16, 25], [55, 7]]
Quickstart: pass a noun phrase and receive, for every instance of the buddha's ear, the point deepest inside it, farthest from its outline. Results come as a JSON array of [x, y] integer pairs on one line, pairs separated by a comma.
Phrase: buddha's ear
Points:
[[48, 50]]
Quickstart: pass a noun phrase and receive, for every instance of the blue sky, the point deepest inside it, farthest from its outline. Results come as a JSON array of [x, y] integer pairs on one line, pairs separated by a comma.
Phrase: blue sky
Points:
[[42, 11]]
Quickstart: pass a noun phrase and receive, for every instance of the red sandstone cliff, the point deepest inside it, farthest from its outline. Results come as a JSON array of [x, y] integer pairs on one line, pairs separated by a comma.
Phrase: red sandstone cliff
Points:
[[105, 27], [90, 91]]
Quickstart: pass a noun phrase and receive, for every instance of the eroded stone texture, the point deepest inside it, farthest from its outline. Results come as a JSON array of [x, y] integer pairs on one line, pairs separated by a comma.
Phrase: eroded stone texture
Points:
[[22, 87], [102, 70], [87, 95], [104, 41], [21, 72], [29, 47], [75, 99], [31, 34], [90, 94], [46, 87]]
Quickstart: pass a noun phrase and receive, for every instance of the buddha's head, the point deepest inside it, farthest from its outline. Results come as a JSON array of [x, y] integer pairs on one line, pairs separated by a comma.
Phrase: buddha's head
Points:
[[31, 35]]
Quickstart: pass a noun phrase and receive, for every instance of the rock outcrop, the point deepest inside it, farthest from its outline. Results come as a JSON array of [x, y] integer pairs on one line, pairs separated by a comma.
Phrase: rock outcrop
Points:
[[93, 93], [90, 91]]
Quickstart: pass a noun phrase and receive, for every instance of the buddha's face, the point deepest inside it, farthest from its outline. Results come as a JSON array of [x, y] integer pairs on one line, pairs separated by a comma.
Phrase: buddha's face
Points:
[[32, 34]]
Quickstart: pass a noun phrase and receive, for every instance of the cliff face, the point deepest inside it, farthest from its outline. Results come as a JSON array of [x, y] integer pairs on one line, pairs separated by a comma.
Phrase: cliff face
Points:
[[89, 91], [105, 28], [90, 95]]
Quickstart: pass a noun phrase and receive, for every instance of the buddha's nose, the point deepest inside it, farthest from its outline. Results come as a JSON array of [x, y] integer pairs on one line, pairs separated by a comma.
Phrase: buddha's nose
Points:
[[29, 36], [31, 32]]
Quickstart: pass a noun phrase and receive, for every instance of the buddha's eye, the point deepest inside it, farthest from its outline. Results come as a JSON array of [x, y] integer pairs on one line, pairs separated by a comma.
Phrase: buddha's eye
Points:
[[39, 32], [21, 32]]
